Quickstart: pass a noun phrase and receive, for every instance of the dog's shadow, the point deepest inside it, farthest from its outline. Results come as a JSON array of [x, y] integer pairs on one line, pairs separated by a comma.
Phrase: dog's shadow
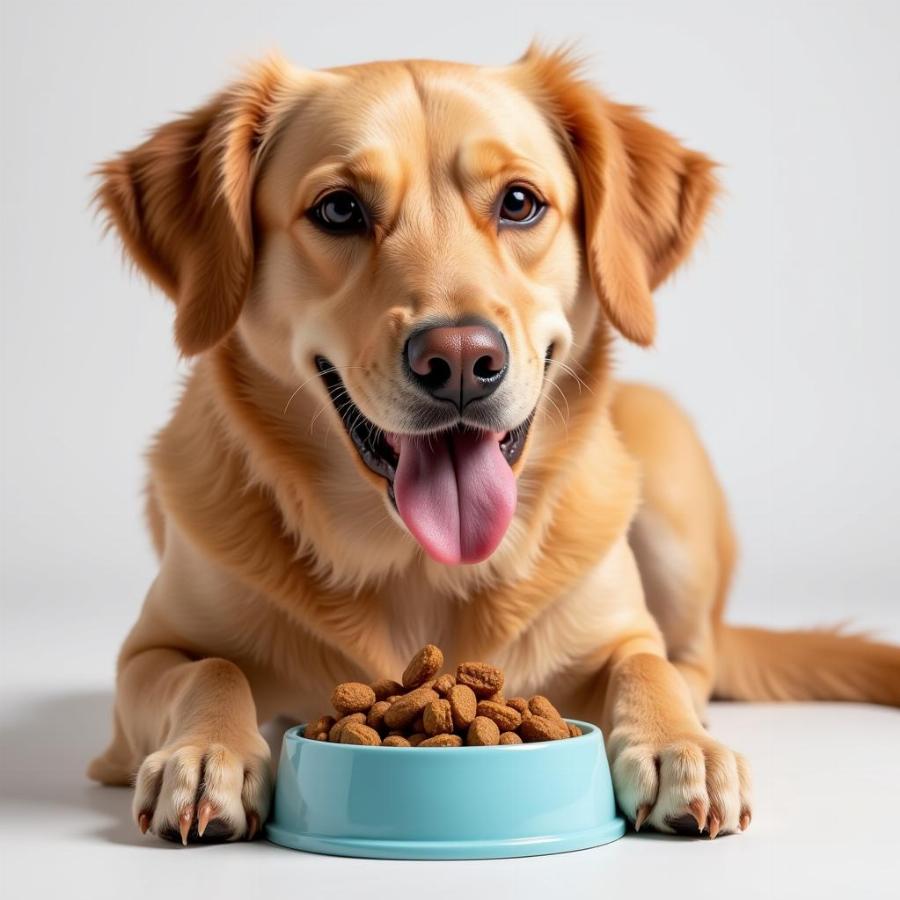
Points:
[[47, 745]]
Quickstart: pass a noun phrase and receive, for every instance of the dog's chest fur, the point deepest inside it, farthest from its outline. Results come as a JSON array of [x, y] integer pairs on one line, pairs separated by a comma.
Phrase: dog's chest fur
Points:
[[292, 670]]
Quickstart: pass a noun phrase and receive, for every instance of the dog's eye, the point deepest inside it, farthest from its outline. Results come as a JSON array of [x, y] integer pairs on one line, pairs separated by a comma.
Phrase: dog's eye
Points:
[[339, 213], [519, 206]]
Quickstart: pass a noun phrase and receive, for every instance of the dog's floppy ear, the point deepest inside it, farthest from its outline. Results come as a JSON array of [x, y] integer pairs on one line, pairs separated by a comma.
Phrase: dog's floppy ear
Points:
[[181, 203], [644, 196]]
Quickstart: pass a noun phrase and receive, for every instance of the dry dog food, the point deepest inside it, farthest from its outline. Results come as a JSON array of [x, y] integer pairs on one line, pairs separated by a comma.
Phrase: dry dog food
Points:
[[484, 679], [426, 709], [352, 697], [424, 665]]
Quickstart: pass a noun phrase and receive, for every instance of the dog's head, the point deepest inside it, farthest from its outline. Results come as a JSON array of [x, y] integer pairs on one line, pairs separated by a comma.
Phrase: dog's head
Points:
[[422, 241]]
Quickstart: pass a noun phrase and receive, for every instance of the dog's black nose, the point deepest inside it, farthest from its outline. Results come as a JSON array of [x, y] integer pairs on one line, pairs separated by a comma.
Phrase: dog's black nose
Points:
[[458, 363]]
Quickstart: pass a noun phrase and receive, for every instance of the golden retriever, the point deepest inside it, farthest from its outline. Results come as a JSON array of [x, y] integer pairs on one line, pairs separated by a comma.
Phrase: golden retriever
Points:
[[400, 282]]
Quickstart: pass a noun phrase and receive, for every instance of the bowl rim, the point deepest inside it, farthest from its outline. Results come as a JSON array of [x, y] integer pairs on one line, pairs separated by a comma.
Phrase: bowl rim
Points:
[[589, 732]]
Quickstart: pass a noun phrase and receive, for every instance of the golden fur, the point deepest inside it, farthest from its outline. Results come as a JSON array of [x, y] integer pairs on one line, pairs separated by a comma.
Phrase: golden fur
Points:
[[283, 568]]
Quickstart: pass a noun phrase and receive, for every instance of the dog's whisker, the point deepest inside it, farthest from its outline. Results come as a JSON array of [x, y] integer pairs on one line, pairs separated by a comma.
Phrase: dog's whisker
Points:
[[313, 378], [297, 391], [546, 416], [562, 418], [571, 372], [562, 394], [339, 404], [318, 413], [356, 420], [340, 408]]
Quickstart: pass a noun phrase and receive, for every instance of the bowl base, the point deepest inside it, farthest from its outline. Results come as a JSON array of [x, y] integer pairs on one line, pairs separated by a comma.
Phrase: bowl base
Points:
[[486, 849]]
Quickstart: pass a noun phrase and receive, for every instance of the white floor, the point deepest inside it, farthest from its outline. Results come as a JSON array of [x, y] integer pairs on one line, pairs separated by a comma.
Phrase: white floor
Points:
[[827, 789]]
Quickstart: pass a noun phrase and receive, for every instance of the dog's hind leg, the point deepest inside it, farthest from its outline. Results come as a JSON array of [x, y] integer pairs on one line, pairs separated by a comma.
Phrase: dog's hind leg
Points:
[[116, 764], [681, 536]]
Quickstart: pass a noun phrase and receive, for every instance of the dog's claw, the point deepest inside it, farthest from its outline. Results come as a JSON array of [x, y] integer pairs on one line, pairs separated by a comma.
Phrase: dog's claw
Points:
[[698, 811], [715, 823], [204, 813], [641, 817], [144, 822], [184, 823], [252, 825], [745, 819]]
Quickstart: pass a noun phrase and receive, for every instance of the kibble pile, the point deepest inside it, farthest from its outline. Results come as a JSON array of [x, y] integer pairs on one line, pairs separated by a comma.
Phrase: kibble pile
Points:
[[426, 709]]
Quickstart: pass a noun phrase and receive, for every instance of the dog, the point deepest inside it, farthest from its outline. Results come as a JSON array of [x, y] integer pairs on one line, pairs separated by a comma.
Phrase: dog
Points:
[[399, 283]]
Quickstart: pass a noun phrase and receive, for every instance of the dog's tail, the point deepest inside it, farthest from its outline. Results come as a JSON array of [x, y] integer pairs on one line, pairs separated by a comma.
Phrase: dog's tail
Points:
[[826, 664]]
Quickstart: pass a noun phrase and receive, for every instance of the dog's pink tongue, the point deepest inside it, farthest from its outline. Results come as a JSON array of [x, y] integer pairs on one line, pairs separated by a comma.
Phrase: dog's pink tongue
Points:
[[456, 493]]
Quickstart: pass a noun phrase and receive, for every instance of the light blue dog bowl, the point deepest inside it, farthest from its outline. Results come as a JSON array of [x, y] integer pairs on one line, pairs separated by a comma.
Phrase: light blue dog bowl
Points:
[[444, 803]]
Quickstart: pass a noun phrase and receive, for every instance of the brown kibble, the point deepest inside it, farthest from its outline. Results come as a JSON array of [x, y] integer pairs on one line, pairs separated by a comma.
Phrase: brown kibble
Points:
[[405, 710], [541, 706], [437, 718], [351, 697], [463, 705], [444, 682], [483, 732], [334, 734], [483, 678], [539, 728], [385, 688], [442, 740], [505, 717], [424, 665], [375, 718], [432, 710], [322, 725], [357, 733]]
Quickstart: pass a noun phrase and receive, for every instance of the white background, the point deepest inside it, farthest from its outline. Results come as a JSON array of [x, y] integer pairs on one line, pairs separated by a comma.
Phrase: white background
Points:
[[780, 337]]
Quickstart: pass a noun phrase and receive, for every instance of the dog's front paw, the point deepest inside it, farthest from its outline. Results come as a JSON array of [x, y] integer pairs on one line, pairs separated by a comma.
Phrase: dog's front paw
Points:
[[198, 791], [684, 785]]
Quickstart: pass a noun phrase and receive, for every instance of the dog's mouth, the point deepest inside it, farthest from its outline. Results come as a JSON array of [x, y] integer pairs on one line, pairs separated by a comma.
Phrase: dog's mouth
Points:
[[454, 489]]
